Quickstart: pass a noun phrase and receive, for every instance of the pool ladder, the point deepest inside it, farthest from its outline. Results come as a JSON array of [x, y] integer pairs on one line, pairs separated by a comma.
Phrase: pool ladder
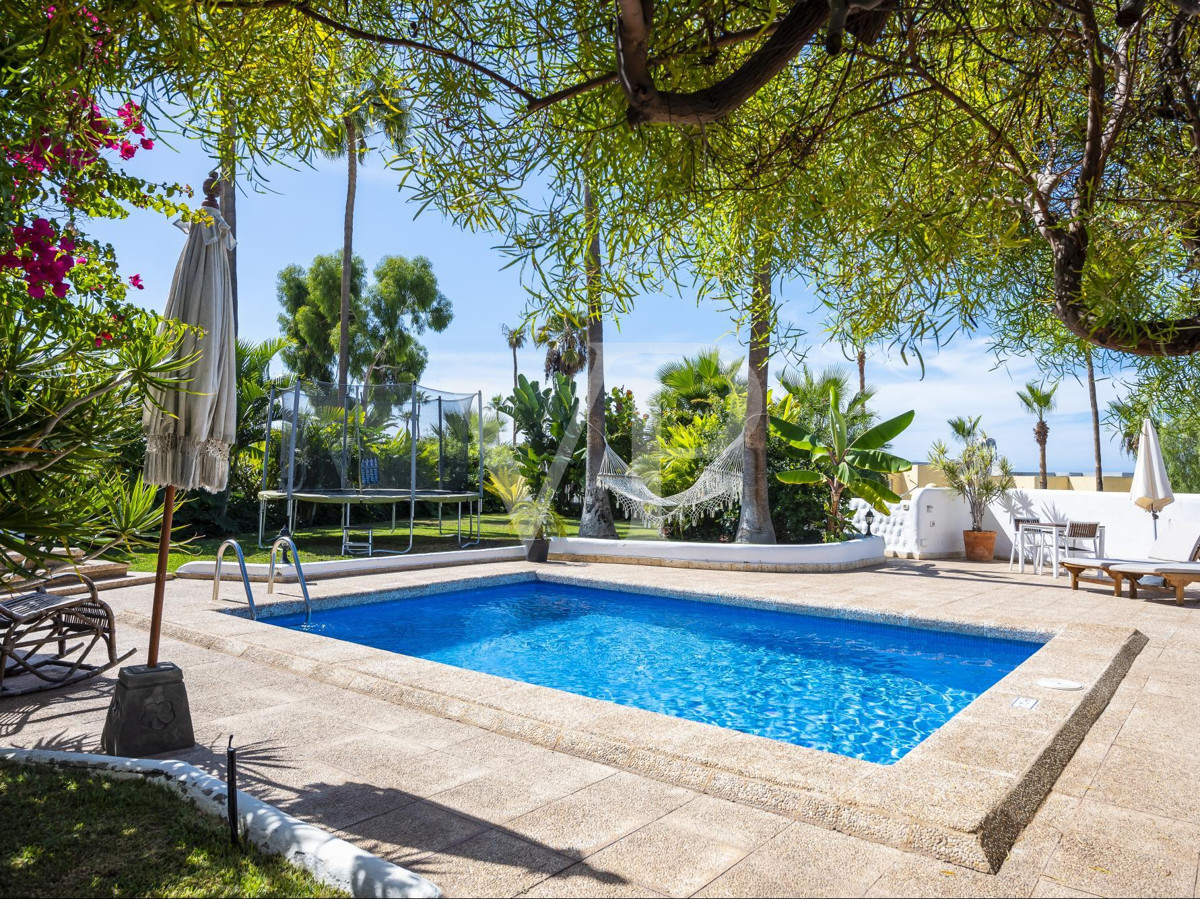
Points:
[[288, 544]]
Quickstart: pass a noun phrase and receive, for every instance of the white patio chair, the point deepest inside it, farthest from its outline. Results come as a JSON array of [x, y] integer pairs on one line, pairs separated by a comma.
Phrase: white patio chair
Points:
[[1080, 538], [1023, 544]]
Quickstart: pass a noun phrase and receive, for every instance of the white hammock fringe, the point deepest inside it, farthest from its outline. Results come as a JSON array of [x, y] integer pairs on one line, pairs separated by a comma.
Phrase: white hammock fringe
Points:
[[718, 488]]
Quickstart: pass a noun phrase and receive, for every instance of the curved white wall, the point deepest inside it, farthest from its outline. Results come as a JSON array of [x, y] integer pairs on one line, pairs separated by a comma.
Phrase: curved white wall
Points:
[[857, 553], [929, 523]]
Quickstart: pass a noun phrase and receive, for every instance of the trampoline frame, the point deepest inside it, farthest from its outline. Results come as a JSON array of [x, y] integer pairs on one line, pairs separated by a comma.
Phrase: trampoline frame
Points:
[[358, 497]]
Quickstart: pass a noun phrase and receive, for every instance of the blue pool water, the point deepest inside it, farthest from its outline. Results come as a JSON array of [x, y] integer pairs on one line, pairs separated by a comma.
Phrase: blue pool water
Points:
[[865, 690]]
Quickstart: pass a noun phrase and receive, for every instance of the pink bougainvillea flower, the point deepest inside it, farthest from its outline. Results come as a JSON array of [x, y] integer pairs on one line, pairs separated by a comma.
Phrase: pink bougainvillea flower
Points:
[[67, 244], [36, 291], [127, 150], [106, 335], [136, 281], [147, 144], [99, 342], [81, 260], [59, 289]]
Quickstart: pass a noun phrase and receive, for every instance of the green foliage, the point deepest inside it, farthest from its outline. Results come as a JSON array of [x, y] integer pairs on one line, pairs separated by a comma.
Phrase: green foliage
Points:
[[72, 403], [625, 428], [978, 473], [843, 462], [85, 834], [695, 385], [401, 301], [1038, 399], [548, 421]]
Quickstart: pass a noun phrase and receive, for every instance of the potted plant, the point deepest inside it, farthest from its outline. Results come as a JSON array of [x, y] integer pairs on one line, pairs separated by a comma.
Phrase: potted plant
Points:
[[533, 518], [980, 475], [536, 521]]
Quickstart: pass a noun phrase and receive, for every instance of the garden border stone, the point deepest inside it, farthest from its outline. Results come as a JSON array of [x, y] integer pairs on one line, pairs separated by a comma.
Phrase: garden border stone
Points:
[[331, 860]]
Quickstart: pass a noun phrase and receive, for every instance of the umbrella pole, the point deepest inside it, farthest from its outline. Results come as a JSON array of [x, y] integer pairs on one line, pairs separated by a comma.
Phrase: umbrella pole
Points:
[[160, 575]]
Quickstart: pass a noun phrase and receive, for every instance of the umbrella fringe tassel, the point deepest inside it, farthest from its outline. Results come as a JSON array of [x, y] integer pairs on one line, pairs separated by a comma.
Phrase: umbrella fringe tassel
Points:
[[188, 464]]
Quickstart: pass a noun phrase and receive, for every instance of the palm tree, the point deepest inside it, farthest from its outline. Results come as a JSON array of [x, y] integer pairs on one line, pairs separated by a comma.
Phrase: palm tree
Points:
[[1126, 419], [1038, 400], [372, 111], [1091, 382], [965, 429], [807, 400], [565, 338], [516, 340], [695, 385]]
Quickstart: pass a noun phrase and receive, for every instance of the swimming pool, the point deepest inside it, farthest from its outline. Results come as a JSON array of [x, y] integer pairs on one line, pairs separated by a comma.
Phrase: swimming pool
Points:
[[860, 689]]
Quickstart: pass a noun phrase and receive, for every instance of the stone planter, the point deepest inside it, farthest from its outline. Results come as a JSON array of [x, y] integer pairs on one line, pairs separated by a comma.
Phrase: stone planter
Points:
[[537, 550], [980, 545]]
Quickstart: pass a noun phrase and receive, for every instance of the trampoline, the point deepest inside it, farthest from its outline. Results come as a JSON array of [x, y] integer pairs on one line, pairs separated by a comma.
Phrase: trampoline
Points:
[[385, 445]]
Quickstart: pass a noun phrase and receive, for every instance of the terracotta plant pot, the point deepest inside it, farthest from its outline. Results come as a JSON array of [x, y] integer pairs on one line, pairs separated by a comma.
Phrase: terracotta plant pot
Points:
[[980, 545], [537, 550]]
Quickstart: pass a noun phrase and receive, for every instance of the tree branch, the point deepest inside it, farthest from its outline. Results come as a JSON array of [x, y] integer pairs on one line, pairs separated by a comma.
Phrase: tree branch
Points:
[[353, 31], [649, 105]]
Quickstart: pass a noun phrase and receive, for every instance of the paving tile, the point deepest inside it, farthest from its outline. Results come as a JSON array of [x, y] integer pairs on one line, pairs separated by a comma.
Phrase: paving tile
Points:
[[498, 798], [492, 864], [736, 825], [592, 818], [1151, 782], [414, 830], [1052, 889], [525, 761], [584, 881], [805, 860], [674, 860], [915, 875], [1169, 724], [1107, 868]]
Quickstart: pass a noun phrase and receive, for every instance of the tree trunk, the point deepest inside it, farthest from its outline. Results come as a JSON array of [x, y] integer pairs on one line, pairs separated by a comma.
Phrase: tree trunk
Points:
[[862, 371], [229, 212], [1091, 379], [755, 525], [597, 518], [514, 421], [1041, 431], [347, 259]]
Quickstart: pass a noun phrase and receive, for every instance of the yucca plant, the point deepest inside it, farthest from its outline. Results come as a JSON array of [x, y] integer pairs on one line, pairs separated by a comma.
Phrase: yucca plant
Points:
[[844, 465]]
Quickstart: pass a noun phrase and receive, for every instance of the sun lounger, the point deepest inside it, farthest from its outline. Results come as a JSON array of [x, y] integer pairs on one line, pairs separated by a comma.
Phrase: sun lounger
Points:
[[48, 638], [1175, 575], [1176, 548]]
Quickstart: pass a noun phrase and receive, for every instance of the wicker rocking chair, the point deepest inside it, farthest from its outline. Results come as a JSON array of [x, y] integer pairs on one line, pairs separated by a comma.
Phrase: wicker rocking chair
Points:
[[50, 637]]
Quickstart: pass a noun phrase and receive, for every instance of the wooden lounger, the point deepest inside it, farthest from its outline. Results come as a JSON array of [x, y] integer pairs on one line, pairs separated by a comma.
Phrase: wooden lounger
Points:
[[1177, 548], [49, 637], [1176, 576]]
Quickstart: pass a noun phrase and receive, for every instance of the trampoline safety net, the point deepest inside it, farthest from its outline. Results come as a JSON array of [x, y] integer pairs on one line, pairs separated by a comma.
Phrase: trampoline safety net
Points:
[[396, 438]]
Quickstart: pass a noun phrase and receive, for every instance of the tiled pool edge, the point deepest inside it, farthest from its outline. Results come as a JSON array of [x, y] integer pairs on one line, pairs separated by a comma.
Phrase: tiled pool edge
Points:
[[975, 829]]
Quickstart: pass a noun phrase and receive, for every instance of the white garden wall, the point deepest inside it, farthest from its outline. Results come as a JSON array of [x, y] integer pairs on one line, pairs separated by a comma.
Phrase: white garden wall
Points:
[[929, 523]]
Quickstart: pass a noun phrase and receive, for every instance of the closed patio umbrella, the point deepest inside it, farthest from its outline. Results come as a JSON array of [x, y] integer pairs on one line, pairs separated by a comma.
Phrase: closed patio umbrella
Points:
[[1151, 488], [188, 436]]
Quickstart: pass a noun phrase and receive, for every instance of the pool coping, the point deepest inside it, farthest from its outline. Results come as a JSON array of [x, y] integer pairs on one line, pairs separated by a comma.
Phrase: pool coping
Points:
[[963, 795]]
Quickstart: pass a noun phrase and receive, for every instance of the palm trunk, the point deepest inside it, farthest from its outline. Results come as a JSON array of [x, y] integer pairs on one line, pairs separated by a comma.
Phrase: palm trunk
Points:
[[347, 259], [755, 525], [597, 518], [1091, 379], [514, 421], [862, 371], [1041, 432]]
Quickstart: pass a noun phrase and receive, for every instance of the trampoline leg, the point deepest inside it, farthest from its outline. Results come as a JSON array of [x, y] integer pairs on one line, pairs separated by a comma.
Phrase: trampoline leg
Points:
[[439, 505], [393, 518], [262, 521]]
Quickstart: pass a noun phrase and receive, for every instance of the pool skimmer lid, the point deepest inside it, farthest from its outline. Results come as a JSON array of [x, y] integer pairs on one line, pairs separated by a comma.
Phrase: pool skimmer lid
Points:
[[1059, 683]]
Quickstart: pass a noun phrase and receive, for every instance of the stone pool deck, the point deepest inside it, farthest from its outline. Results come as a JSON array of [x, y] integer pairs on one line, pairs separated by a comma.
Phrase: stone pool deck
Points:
[[480, 813]]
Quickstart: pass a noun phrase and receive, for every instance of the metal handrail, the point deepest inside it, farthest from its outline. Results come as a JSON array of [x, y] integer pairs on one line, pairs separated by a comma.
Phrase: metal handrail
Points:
[[289, 543], [237, 548]]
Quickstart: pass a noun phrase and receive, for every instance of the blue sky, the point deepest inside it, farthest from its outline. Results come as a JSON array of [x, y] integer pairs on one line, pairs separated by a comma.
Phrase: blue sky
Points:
[[298, 214]]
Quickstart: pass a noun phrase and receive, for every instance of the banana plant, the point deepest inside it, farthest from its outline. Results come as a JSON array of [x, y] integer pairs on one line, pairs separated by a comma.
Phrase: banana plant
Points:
[[843, 464]]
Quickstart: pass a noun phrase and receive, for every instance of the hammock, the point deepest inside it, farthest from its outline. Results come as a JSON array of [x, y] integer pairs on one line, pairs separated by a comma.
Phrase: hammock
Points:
[[718, 488]]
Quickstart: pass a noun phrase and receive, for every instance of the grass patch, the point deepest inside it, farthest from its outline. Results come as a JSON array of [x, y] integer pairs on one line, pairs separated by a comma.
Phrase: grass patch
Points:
[[67, 833], [318, 544]]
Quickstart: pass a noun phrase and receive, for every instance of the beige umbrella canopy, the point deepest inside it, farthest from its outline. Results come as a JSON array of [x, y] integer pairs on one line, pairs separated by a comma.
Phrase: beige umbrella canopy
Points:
[[189, 432], [1151, 488]]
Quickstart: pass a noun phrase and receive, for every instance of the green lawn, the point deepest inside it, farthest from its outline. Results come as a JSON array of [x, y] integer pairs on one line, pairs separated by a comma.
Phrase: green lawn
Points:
[[64, 833], [322, 543]]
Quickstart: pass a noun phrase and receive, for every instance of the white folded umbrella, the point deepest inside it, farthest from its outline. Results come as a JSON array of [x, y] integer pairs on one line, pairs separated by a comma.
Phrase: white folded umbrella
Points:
[[1151, 488]]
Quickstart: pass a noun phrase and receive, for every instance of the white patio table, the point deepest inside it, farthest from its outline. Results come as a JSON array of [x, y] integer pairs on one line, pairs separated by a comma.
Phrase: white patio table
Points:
[[1044, 531]]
